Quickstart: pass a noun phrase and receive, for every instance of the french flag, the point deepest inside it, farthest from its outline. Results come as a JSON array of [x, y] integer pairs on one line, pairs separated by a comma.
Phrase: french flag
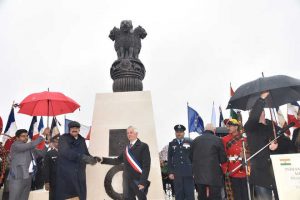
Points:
[[35, 130], [11, 126], [10, 130]]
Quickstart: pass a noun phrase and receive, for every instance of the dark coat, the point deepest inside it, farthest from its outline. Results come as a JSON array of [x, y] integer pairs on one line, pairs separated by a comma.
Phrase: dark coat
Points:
[[258, 135], [296, 140], [179, 158], [141, 153], [71, 177], [207, 154], [50, 164]]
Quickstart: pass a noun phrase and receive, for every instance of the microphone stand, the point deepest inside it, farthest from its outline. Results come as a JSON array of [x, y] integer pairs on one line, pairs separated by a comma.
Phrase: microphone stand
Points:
[[245, 162], [248, 159]]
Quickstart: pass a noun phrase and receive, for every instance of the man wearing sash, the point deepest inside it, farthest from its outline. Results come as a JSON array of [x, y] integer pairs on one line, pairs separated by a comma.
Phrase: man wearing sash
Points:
[[233, 143], [137, 161]]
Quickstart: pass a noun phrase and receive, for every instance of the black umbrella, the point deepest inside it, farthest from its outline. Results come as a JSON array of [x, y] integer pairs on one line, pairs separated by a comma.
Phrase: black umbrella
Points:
[[283, 89]]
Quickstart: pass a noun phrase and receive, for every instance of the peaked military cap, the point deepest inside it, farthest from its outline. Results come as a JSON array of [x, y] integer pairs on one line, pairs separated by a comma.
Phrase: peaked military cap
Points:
[[179, 128], [73, 124]]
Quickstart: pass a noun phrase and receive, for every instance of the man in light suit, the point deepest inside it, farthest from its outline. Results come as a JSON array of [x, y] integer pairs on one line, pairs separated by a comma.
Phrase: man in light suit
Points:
[[22, 164]]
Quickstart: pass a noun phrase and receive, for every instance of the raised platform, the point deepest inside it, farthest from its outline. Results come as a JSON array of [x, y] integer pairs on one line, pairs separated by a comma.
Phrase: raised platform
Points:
[[113, 113]]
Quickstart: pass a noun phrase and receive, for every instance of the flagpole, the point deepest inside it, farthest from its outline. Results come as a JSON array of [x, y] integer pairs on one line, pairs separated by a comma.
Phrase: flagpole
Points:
[[188, 120], [48, 112]]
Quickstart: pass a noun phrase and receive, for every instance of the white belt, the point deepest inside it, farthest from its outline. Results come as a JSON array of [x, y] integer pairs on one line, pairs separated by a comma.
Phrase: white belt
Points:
[[234, 158]]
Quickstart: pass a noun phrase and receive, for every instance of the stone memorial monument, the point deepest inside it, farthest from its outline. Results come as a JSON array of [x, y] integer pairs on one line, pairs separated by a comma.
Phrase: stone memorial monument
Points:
[[114, 112]]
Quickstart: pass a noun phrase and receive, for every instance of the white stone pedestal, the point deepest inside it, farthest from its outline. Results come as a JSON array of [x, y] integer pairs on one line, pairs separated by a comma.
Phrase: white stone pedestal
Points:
[[118, 111]]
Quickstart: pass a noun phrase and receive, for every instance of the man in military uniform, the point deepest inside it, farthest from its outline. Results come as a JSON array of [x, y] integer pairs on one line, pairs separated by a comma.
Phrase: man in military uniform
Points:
[[50, 167], [233, 143], [180, 165]]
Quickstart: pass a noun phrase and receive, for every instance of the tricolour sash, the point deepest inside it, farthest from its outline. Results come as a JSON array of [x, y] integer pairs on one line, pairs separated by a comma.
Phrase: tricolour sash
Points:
[[132, 161]]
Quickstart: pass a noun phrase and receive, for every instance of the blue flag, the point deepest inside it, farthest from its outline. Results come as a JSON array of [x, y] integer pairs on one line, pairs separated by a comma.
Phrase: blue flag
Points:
[[195, 121]]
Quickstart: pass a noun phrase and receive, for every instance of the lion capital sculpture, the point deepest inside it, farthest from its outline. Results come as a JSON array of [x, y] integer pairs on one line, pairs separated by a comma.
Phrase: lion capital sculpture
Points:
[[127, 40]]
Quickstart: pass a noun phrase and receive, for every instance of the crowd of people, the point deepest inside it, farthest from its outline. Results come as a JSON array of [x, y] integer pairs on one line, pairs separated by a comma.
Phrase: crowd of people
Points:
[[213, 166], [63, 168]]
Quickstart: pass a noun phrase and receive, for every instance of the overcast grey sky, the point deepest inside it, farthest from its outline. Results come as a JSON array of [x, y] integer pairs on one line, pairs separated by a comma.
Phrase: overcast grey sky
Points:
[[193, 50]]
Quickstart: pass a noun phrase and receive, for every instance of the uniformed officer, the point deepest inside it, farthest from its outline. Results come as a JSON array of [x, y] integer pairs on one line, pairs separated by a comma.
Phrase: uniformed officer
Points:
[[180, 165], [233, 144]]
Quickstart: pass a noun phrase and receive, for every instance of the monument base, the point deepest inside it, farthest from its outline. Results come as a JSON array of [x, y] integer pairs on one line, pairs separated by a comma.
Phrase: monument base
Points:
[[113, 113]]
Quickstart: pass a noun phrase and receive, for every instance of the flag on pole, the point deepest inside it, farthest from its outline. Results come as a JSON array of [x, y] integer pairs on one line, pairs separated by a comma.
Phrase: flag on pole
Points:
[[11, 126], [281, 121], [10, 130], [213, 116], [41, 125], [233, 113], [33, 128], [38, 129], [195, 122], [292, 112], [231, 91], [54, 128], [221, 119], [85, 131]]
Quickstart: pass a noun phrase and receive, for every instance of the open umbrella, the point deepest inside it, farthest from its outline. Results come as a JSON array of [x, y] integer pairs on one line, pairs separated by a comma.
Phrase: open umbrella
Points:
[[283, 89], [47, 104]]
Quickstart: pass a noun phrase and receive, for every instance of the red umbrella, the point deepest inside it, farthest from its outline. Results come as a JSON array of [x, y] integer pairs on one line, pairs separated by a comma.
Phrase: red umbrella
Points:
[[47, 104]]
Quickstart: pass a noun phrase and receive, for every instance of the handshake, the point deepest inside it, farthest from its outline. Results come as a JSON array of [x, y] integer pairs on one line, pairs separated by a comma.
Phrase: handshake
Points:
[[92, 160]]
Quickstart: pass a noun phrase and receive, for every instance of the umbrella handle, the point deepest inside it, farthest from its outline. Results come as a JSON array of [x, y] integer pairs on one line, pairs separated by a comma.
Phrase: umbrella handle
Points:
[[270, 107]]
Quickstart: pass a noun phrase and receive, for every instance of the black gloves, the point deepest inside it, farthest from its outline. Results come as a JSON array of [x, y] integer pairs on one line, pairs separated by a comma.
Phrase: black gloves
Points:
[[89, 160]]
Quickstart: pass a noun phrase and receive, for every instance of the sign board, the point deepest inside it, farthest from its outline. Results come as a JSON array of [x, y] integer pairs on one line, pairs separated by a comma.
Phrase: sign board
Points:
[[287, 175]]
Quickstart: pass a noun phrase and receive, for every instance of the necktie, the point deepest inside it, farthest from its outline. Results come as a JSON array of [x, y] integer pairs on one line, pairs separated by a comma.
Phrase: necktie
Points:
[[130, 145]]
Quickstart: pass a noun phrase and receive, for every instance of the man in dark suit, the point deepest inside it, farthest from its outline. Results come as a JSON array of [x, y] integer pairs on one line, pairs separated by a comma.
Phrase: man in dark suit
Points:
[[180, 165], [208, 154], [259, 132], [73, 156], [50, 167], [137, 161]]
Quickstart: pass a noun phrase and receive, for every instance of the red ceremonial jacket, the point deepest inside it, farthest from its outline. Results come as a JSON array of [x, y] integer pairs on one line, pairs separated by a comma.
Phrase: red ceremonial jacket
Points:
[[233, 155]]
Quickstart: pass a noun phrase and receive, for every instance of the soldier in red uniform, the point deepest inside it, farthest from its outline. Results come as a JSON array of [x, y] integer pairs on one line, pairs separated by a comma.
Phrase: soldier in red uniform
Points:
[[233, 144]]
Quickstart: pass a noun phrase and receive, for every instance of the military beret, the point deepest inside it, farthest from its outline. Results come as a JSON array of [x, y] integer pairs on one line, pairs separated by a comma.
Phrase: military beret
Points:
[[73, 124], [179, 128]]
